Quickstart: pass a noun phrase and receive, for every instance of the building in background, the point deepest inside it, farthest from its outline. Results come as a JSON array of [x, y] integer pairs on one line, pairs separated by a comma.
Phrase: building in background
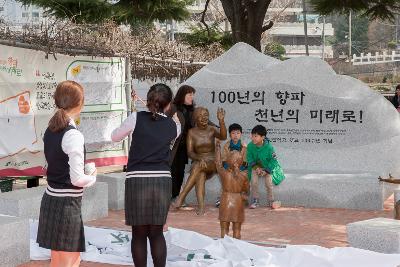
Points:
[[17, 15], [288, 30]]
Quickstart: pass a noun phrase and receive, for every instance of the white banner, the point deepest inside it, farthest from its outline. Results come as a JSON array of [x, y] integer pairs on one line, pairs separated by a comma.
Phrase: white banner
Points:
[[28, 79]]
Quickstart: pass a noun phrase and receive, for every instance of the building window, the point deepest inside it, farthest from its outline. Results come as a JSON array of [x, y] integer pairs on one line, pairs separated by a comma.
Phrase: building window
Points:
[[25, 15], [35, 14], [1, 8]]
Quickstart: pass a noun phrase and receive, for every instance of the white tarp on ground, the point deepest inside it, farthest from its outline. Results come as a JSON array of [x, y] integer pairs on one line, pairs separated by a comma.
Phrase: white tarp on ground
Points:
[[191, 249]]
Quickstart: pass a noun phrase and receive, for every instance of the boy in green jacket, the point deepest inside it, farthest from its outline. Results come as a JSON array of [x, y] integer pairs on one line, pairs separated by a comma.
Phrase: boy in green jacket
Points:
[[262, 162]]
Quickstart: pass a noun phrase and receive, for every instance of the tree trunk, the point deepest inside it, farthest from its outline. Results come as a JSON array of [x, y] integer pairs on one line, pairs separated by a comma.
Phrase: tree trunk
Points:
[[247, 18]]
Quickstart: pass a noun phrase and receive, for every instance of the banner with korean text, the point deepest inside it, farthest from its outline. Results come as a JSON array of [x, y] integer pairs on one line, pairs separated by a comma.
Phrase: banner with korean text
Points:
[[28, 79]]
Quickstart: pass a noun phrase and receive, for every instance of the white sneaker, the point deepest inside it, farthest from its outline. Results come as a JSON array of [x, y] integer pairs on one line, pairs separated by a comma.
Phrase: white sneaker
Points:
[[254, 204]]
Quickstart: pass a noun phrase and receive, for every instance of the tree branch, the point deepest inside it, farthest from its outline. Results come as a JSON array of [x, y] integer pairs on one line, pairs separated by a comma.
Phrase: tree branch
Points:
[[203, 15], [268, 26], [279, 13]]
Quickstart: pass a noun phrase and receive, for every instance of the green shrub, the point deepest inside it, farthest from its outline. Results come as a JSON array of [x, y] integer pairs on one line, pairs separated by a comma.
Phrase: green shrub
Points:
[[275, 50], [199, 37]]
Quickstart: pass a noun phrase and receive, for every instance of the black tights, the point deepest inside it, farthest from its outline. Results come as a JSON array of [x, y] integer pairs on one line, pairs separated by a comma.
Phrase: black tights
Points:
[[158, 247]]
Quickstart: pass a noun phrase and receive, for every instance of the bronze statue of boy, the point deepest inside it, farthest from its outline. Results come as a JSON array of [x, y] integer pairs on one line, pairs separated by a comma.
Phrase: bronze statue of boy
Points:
[[235, 188]]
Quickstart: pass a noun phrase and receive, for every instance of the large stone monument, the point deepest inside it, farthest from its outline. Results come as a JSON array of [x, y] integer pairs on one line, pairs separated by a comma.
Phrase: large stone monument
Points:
[[320, 123]]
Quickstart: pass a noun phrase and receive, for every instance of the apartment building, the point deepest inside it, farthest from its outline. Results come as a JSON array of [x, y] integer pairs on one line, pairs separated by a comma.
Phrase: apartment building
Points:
[[14, 13], [288, 28]]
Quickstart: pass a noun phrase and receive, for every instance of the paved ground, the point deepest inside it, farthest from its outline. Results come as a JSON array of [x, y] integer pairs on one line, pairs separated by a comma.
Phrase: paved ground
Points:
[[294, 225]]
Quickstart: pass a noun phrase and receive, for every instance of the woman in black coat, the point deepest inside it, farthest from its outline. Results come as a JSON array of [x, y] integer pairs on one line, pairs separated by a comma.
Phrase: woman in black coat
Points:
[[396, 97], [184, 106]]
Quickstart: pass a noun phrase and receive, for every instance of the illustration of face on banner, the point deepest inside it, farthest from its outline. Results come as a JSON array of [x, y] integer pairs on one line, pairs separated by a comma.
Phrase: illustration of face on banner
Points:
[[17, 121]]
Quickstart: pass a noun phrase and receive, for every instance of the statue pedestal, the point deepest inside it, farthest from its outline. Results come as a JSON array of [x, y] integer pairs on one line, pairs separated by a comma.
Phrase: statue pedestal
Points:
[[360, 191]]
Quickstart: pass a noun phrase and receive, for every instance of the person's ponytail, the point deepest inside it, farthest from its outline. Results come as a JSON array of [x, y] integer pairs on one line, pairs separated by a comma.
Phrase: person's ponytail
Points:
[[158, 97], [68, 95], [59, 121], [154, 108]]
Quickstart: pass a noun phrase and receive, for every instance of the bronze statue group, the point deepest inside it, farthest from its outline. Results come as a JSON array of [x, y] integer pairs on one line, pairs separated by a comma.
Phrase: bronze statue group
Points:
[[164, 138]]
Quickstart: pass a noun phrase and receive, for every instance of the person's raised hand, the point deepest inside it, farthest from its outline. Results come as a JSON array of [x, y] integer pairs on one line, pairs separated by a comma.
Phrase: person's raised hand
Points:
[[220, 114], [134, 95]]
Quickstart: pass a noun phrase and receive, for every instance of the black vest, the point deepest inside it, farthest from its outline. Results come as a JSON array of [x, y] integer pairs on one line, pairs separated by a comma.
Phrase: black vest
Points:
[[151, 143], [58, 168]]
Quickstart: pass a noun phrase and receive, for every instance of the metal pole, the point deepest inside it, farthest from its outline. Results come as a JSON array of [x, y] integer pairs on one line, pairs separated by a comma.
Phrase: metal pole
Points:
[[350, 36], [128, 79], [173, 30], [305, 27], [397, 24], [323, 38]]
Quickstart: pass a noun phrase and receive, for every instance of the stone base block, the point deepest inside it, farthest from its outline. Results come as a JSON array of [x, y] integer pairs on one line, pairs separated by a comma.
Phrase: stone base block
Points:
[[378, 234], [22, 203], [26, 202], [116, 189], [95, 202], [14, 245]]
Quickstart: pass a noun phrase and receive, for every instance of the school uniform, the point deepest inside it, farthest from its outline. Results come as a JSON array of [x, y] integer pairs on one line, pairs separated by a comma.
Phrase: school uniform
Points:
[[60, 221], [148, 182]]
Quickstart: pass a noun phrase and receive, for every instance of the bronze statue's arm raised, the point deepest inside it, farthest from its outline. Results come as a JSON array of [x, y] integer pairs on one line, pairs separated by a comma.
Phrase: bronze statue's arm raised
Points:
[[222, 133], [389, 180]]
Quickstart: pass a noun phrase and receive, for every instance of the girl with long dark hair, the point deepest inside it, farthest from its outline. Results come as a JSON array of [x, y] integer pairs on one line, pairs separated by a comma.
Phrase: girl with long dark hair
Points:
[[148, 178], [184, 106]]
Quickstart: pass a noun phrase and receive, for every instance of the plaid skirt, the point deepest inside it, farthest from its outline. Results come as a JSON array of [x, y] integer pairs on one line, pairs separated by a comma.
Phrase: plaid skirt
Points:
[[60, 224], [147, 200]]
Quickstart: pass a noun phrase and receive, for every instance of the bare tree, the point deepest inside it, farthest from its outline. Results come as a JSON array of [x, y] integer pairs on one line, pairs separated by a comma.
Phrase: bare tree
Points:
[[247, 20], [150, 53]]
